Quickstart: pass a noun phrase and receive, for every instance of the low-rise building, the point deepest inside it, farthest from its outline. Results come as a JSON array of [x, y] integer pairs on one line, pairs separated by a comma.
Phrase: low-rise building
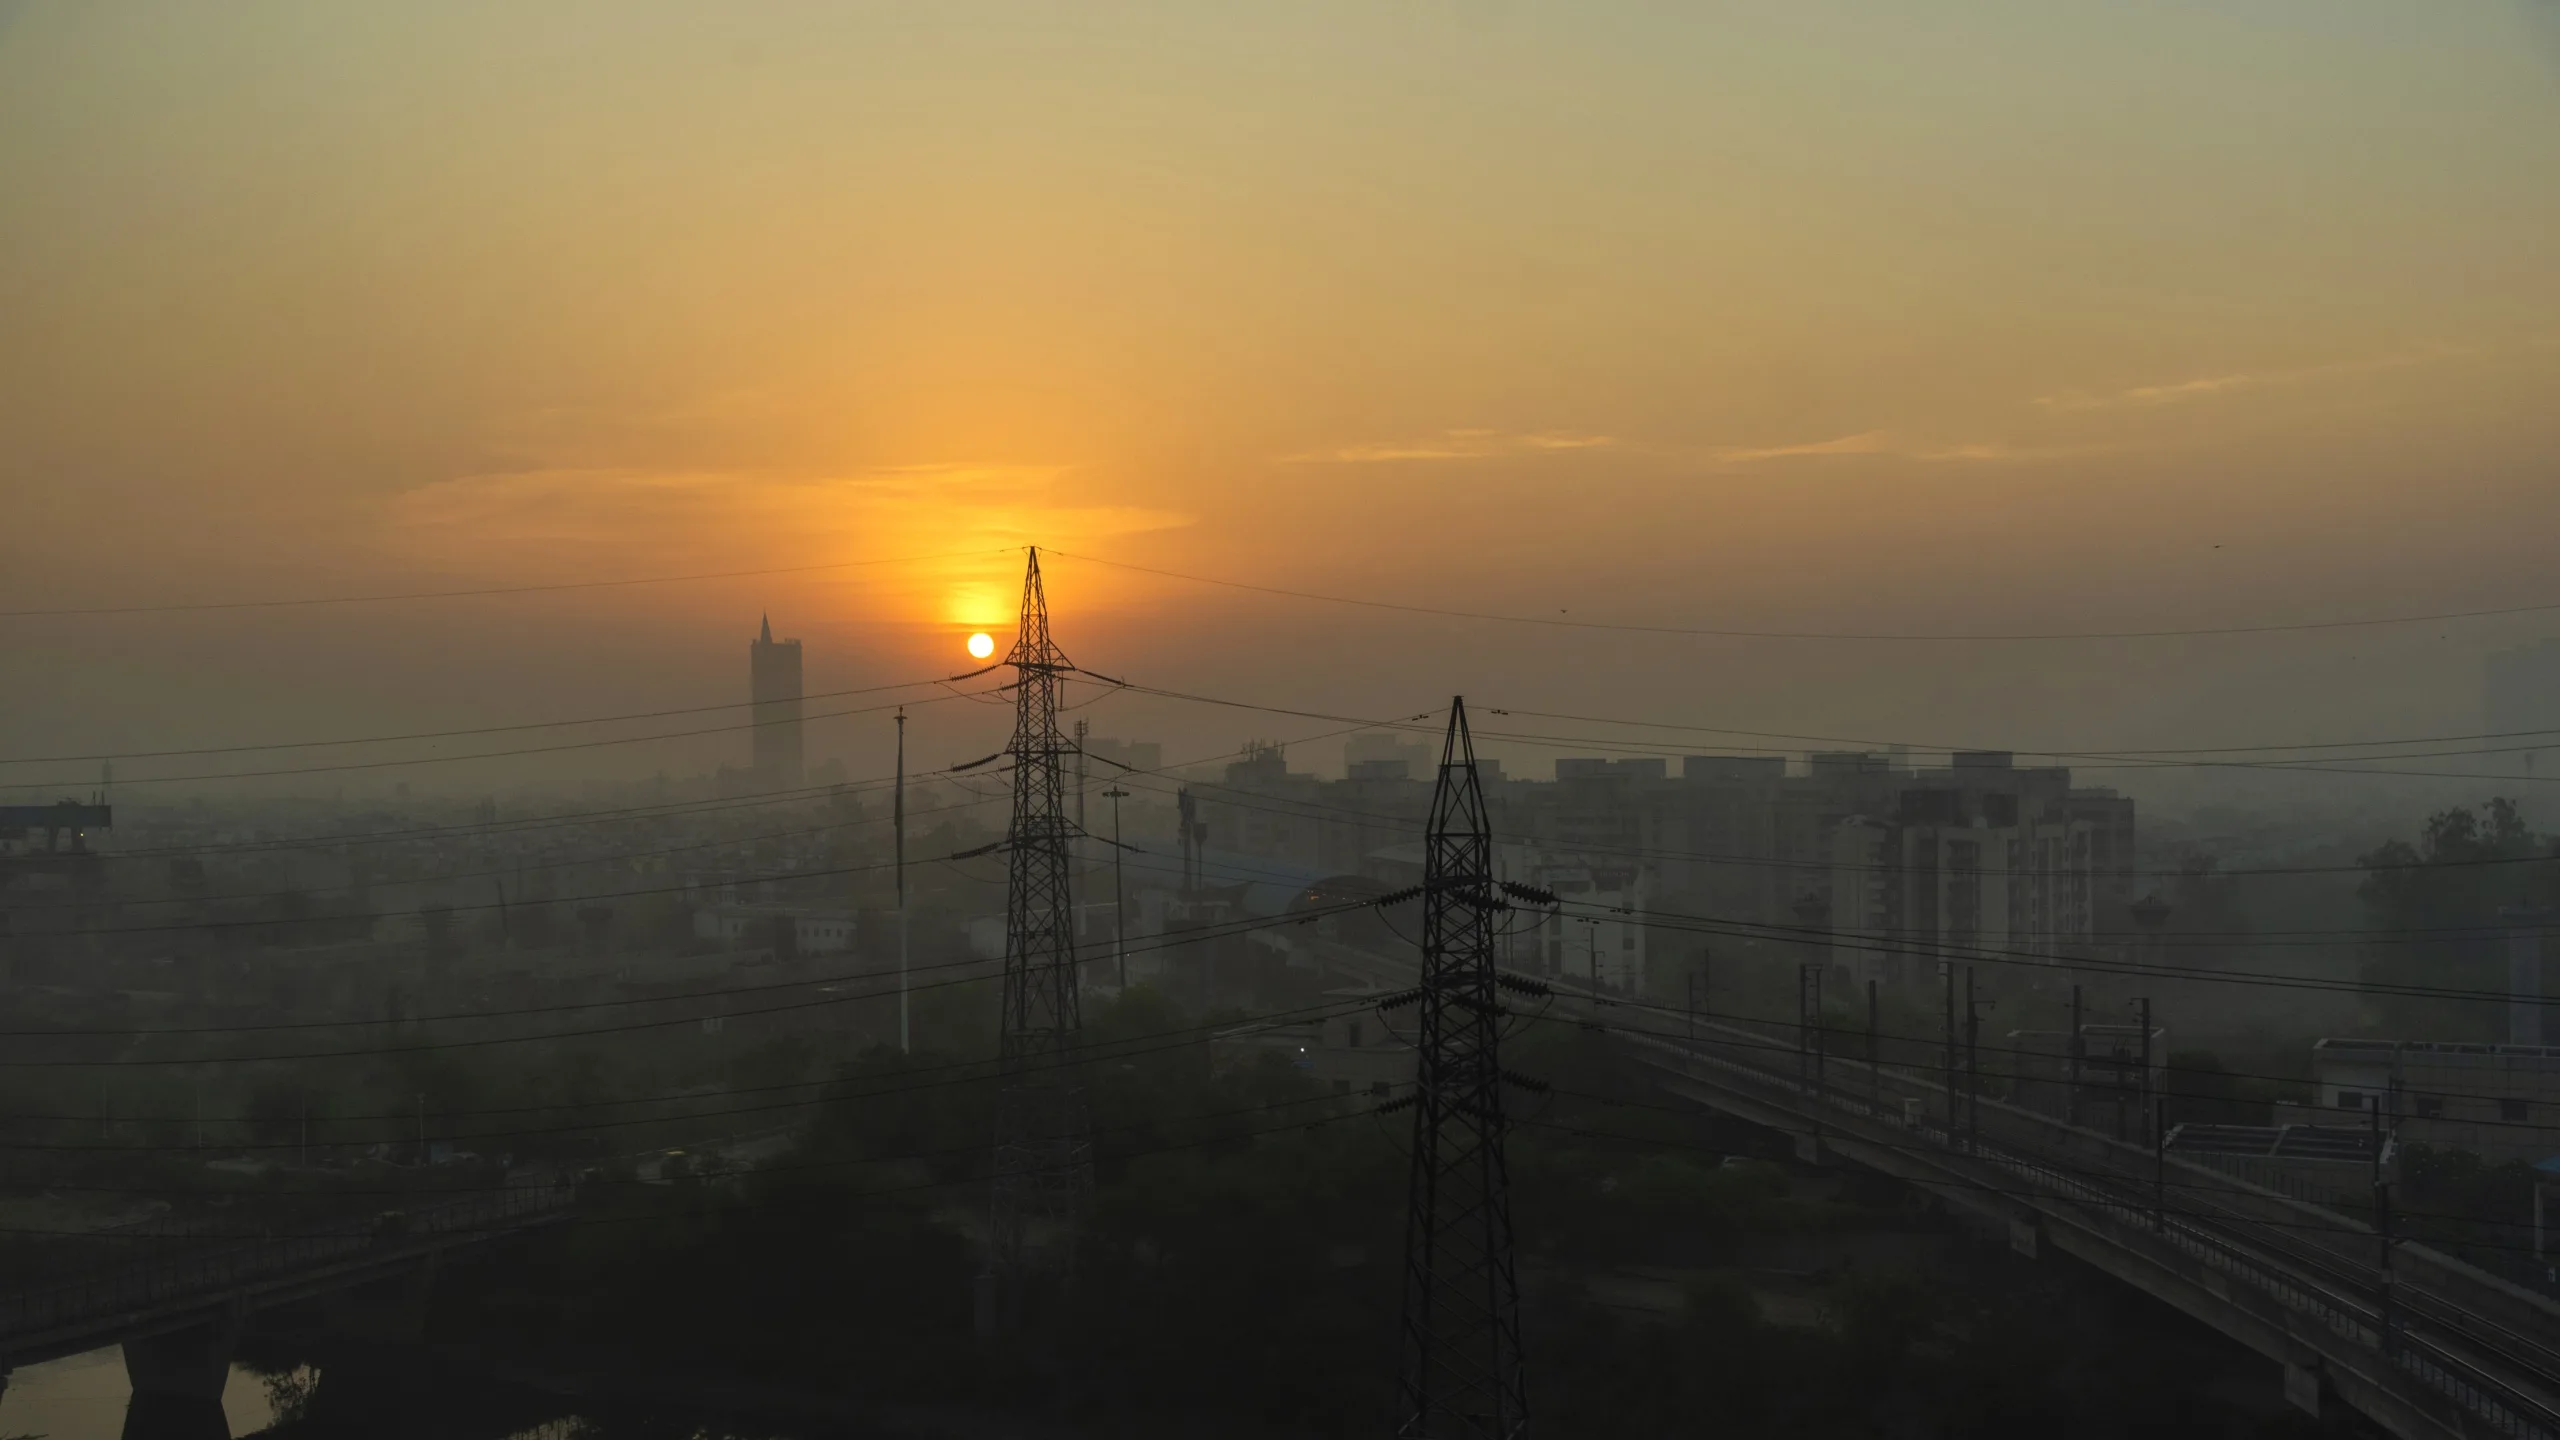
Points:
[[811, 932], [2500, 1102], [1359, 1051]]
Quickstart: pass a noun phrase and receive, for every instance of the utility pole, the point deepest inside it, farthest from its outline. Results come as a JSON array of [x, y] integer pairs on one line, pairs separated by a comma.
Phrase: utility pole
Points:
[[1591, 937], [1948, 969], [2381, 1212], [1187, 812], [1809, 1038], [1972, 1063], [898, 824], [1875, 1068], [2146, 1055], [1043, 1145], [1119, 886], [2071, 1101], [1459, 1375], [2160, 1163], [422, 1127]]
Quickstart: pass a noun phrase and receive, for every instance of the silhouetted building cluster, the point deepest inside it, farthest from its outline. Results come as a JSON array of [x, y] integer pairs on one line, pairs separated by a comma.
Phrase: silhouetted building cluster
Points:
[[1878, 865]]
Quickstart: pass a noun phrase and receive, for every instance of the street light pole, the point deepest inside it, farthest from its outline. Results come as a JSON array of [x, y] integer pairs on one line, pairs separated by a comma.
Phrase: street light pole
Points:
[[1119, 887]]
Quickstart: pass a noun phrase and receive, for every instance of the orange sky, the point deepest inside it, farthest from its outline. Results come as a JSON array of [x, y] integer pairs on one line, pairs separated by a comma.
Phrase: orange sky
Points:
[[1954, 315]]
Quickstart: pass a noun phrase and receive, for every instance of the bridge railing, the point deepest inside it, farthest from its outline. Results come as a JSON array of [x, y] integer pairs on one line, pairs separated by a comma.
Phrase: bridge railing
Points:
[[2261, 1240], [206, 1273]]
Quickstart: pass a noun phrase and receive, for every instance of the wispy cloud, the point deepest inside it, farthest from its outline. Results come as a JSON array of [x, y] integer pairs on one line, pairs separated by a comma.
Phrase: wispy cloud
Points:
[[692, 509], [1455, 445], [2207, 387], [1886, 443]]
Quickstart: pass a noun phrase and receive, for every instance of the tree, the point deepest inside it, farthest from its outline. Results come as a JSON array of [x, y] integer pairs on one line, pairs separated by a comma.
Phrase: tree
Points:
[[2433, 910]]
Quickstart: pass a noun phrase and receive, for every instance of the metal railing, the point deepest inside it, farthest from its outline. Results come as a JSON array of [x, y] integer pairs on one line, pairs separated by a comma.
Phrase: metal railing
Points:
[[209, 1274], [2304, 1274]]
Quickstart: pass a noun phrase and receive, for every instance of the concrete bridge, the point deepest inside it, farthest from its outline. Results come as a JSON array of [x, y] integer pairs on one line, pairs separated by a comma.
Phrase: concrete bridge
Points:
[[178, 1316], [2428, 1347]]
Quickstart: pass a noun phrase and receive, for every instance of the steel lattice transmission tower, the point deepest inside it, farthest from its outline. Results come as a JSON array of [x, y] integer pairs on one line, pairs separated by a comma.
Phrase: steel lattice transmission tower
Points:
[[1043, 1146], [1460, 1371]]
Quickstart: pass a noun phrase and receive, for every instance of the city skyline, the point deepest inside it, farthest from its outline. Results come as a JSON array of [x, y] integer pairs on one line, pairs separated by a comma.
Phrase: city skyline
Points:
[[2205, 324]]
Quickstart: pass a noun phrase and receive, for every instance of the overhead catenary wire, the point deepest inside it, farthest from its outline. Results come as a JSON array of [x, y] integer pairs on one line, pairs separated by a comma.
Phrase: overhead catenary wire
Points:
[[1928, 1046], [1990, 955]]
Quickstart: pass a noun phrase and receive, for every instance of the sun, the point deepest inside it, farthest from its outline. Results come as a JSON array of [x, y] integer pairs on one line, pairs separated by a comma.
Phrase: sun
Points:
[[982, 645]]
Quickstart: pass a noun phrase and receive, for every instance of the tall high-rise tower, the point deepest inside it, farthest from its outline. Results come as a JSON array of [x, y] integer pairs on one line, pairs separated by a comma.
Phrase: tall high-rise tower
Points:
[[773, 680]]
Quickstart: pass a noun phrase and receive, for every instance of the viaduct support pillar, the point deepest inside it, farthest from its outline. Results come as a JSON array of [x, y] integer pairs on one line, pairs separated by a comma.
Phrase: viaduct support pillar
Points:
[[177, 1380]]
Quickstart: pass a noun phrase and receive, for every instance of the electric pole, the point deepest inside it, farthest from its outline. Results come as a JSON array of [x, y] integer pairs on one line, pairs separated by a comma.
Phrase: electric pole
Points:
[[2071, 1102], [2382, 1204], [1972, 1063], [1460, 1372], [1043, 1147], [2146, 1052], [1119, 887], [1875, 1071], [898, 824], [1947, 968]]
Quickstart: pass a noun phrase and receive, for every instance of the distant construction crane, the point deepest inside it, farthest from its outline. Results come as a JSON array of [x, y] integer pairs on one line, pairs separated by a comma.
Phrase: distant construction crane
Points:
[[1043, 1141], [1460, 1372]]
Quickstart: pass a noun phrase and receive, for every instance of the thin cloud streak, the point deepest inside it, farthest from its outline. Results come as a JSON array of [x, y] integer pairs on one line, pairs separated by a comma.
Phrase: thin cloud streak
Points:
[[1887, 444], [2209, 386], [1455, 445]]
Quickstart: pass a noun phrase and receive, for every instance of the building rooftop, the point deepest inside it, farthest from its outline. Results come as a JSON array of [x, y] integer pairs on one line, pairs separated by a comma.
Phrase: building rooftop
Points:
[[2377, 1049], [2342, 1143]]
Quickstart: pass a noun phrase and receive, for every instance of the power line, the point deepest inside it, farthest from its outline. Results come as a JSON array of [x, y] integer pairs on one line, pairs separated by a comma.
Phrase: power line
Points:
[[601, 857], [2117, 754], [1623, 747], [377, 599], [589, 1220], [1930, 1043], [1102, 1050], [1733, 634], [453, 734], [2085, 760], [1112, 1051], [573, 862], [348, 765], [1169, 942], [659, 810], [1306, 809]]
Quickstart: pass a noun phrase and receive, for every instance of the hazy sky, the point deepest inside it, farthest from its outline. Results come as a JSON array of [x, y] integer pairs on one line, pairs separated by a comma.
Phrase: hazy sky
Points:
[[1940, 315]]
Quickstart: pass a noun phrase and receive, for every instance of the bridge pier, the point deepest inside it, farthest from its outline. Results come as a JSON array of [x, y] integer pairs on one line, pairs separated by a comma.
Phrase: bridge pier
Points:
[[177, 1379]]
